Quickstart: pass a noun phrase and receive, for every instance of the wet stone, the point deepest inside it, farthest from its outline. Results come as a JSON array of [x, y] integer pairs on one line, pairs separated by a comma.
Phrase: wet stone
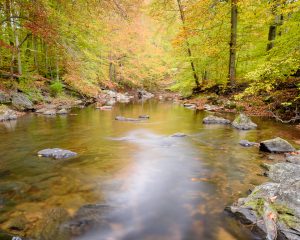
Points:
[[190, 106], [293, 159], [56, 153], [283, 198], [62, 112], [242, 122], [276, 145], [246, 143], [124, 119], [21, 102], [144, 117], [179, 135], [215, 120], [8, 115]]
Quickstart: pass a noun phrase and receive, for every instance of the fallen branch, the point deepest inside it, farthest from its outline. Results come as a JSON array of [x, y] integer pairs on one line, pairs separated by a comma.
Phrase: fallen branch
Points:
[[292, 120]]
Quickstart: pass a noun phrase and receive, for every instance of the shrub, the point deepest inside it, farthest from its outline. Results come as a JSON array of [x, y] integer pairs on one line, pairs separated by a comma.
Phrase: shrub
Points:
[[56, 88]]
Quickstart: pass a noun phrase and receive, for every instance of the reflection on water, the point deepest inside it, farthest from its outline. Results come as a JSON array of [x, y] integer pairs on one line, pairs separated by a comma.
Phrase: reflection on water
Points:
[[158, 187]]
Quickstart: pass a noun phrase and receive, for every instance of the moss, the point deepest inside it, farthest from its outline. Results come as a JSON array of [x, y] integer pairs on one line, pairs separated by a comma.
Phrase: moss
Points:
[[257, 205], [286, 215]]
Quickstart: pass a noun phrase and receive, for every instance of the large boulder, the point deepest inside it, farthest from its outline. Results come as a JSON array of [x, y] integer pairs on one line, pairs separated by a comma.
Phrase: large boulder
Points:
[[276, 145], [21, 102], [4, 98], [215, 120], [56, 153], [282, 196], [242, 122]]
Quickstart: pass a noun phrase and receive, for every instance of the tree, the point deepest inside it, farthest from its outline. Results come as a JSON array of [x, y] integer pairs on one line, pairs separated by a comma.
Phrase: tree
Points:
[[233, 43]]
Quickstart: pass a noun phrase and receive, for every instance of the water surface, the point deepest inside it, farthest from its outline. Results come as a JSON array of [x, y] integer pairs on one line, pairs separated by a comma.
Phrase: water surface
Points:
[[158, 187]]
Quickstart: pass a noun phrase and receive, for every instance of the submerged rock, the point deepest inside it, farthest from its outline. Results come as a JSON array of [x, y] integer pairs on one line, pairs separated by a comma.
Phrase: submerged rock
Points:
[[215, 120], [242, 122], [51, 226], [88, 217], [179, 135], [125, 119], [21, 102], [282, 196], [276, 145], [246, 143], [56, 153]]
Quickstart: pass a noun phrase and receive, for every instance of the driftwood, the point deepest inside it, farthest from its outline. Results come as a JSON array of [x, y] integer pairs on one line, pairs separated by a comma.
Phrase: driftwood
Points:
[[292, 120]]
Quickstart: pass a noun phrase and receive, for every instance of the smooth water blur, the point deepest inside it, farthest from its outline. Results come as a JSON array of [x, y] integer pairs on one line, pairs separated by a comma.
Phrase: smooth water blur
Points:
[[160, 187]]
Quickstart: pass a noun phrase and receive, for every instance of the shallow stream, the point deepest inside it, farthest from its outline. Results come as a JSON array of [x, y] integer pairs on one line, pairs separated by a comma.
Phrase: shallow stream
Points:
[[156, 186]]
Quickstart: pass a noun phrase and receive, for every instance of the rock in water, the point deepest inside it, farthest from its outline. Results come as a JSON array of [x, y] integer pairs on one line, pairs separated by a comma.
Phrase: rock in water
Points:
[[179, 135], [246, 143], [191, 106], [276, 145], [21, 102], [144, 117], [215, 120], [242, 122], [273, 207], [49, 112], [56, 153], [8, 115], [62, 112], [124, 119], [142, 94]]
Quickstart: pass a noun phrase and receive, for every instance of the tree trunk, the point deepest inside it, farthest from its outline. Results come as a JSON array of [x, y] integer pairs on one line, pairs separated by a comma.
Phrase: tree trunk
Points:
[[112, 72], [278, 20], [233, 43], [189, 51], [35, 53], [18, 53], [10, 34]]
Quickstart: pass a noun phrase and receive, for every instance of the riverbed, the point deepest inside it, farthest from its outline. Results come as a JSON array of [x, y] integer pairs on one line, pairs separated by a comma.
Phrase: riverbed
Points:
[[155, 186]]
